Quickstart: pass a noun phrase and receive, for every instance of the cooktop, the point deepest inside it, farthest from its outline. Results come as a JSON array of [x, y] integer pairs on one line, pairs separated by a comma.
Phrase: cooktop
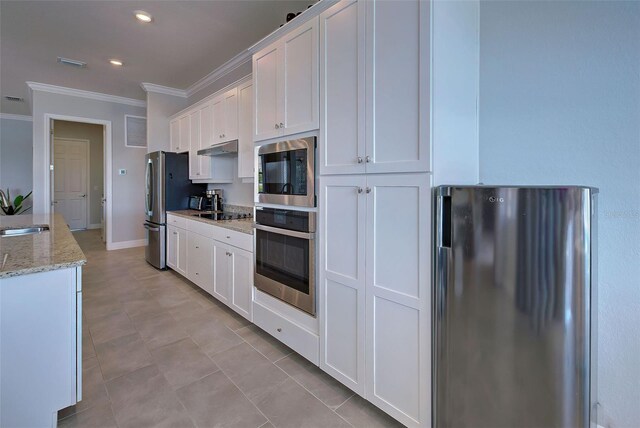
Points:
[[221, 215]]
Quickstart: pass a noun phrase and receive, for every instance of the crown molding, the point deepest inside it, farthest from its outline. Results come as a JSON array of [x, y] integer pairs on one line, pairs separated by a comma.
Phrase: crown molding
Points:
[[166, 90], [235, 62], [61, 90], [216, 94], [16, 117]]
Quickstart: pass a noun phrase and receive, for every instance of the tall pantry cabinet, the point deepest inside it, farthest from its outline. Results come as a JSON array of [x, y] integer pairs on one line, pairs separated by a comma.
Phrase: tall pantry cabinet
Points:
[[376, 162]]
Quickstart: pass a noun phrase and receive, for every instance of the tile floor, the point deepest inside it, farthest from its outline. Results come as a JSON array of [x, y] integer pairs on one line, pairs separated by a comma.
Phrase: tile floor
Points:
[[158, 352]]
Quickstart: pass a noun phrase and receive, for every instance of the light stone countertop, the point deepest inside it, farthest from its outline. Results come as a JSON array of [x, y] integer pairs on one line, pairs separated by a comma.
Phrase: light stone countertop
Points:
[[40, 252], [244, 225]]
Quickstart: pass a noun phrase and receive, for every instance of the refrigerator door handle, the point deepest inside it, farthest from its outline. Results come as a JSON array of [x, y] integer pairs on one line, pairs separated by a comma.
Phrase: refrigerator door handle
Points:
[[444, 221], [149, 188], [152, 229]]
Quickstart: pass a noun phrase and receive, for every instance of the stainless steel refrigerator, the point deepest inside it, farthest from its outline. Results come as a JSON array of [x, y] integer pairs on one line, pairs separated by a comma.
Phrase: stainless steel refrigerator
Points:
[[167, 187], [514, 307]]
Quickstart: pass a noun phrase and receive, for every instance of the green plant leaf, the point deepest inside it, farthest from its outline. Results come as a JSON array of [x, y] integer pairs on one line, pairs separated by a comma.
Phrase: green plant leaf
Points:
[[18, 201]]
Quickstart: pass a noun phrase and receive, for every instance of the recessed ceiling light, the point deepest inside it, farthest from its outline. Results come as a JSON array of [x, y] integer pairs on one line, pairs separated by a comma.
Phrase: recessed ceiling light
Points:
[[115, 62], [143, 16]]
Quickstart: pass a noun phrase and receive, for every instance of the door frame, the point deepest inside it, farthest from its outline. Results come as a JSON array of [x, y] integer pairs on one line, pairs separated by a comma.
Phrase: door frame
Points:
[[107, 145], [53, 173]]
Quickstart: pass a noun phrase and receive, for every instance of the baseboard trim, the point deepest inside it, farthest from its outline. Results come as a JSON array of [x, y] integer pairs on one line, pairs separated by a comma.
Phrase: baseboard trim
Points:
[[94, 226], [126, 244]]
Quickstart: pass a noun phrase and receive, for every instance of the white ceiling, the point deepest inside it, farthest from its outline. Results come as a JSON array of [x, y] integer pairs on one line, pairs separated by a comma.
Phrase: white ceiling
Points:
[[185, 42]]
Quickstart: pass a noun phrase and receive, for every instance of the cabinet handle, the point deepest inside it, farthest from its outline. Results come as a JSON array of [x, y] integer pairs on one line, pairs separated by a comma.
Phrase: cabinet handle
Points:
[[359, 159], [197, 273], [223, 135], [281, 125], [368, 189], [197, 247], [175, 233], [197, 173], [279, 329], [228, 237], [359, 189], [368, 159], [277, 126]]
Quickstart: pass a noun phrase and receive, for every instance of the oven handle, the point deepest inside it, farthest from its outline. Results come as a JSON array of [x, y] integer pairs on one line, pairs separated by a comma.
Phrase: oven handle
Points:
[[286, 232]]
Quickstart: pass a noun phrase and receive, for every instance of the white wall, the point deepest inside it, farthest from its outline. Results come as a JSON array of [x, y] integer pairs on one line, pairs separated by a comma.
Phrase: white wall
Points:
[[95, 135], [128, 190], [159, 108], [560, 104], [16, 157]]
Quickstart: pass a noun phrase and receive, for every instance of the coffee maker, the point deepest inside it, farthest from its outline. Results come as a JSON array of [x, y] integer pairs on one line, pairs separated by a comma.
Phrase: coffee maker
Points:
[[214, 199]]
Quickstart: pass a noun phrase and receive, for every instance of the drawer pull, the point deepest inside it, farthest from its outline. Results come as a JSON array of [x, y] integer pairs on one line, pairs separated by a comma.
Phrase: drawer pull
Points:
[[279, 330], [228, 237]]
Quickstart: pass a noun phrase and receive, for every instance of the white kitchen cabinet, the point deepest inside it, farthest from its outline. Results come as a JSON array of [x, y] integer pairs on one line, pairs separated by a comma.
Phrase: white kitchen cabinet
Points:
[[221, 283], [185, 134], [206, 139], [245, 140], [174, 135], [177, 249], [225, 116], [374, 87], [200, 261], [241, 279], [375, 289], [285, 82], [194, 145]]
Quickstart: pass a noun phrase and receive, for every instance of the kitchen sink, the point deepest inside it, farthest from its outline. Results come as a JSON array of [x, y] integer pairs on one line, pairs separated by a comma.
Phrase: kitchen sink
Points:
[[24, 231]]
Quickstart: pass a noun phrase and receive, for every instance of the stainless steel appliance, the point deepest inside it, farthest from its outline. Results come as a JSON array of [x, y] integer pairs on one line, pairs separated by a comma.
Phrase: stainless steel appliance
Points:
[[197, 203], [214, 199], [167, 187], [286, 173], [285, 256], [515, 307]]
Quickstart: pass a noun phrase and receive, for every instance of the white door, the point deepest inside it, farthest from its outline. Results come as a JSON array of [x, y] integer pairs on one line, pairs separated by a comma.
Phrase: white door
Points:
[[230, 129], [71, 158], [342, 77], [241, 278], [342, 278], [298, 79], [398, 296], [221, 285], [194, 145], [245, 140], [265, 86]]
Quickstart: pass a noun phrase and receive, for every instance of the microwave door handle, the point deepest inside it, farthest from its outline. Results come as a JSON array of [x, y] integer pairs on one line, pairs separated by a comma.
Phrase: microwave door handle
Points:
[[292, 233]]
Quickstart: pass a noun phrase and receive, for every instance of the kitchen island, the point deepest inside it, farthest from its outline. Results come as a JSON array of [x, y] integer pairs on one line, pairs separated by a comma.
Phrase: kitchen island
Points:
[[40, 321]]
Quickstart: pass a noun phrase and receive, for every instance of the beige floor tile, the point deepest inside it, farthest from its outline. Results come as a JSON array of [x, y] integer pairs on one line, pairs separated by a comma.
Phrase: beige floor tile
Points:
[[168, 296], [109, 327], [143, 398], [122, 355], [183, 362], [250, 371], [100, 307], [159, 330], [214, 337], [141, 304], [328, 390], [216, 401], [88, 350], [97, 416], [362, 414], [290, 405], [266, 344]]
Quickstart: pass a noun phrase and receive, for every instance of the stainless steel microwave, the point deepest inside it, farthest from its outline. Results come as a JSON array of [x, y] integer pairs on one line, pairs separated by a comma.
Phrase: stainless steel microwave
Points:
[[286, 173]]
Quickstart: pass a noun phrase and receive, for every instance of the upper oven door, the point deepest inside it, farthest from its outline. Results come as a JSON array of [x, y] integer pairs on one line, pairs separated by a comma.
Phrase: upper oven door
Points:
[[286, 173]]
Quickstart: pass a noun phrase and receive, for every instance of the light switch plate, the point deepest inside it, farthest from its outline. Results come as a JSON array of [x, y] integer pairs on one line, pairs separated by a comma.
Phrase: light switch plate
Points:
[[122, 171]]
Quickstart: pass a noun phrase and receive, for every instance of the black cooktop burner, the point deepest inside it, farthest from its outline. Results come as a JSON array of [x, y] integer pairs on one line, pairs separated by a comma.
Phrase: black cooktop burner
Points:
[[217, 215]]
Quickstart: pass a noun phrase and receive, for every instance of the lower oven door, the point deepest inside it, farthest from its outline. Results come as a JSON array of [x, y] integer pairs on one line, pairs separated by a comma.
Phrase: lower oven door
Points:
[[285, 266]]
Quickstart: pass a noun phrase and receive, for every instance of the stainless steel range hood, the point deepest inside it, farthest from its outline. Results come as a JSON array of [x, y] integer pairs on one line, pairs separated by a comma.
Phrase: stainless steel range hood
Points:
[[220, 149]]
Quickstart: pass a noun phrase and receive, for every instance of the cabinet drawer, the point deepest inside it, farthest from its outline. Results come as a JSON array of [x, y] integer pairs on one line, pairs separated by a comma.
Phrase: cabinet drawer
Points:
[[174, 220], [294, 336], [232, 237], [200, 228]]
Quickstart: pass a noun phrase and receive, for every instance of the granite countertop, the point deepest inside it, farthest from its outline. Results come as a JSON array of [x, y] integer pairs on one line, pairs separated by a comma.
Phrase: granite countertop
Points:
[[244, 225], [40, 252]]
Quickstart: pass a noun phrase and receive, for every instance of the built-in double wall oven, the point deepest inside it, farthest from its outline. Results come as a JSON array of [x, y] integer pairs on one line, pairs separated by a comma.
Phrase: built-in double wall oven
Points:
[[285, 247]]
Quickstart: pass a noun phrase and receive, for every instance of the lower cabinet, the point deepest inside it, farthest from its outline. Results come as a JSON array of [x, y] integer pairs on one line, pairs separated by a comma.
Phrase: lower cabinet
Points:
[[374, 289], [223, 270]]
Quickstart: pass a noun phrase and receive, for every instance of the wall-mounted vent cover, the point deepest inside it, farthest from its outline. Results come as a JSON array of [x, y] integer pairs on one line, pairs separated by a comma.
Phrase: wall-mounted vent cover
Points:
[[16, 99], [135, 131], [72, 62]]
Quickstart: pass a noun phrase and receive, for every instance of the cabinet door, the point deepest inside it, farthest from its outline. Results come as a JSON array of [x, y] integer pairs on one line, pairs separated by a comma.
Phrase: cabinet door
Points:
[[230, 128], [342, 278], [194, 145], [183, 145], [174, 135], [200, 261], [172, 247], [298, 79], [218, 119], [245, 140], [342, 74], [265, 86], [221, 283], [397, 76], [206, 139], [241, 278], [398, 296]]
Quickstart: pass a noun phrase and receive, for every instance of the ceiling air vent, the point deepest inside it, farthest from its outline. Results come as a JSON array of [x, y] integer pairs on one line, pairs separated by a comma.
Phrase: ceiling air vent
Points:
[[72, 62], [16, 99]]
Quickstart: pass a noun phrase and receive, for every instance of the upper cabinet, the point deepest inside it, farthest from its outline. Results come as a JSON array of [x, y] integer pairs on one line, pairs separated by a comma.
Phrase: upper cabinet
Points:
[[285, 84], [225, 117], [245, 134], [174, 135], [374, 94]]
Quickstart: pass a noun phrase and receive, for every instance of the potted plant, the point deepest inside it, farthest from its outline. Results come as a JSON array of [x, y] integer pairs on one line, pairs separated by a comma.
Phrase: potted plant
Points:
[[16, 207]]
